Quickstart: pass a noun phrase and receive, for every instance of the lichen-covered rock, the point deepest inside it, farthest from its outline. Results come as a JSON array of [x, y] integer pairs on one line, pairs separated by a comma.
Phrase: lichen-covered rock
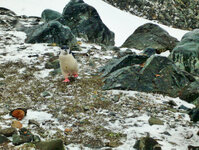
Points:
[[150, 35], [190, 92], [158, 75], [50, 145], [155, 121], [125, 61], [48, 15], [85, 22], [8, 131], [147, 143], [51, 32], [186, 53]]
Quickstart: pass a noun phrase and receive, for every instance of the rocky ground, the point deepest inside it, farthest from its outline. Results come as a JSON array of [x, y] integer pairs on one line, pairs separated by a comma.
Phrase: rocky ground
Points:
[[80, 113], [182, 14]]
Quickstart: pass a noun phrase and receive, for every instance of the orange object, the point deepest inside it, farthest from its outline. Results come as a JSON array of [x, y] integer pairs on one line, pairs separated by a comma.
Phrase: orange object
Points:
[[157, 75], [16, 124], [142, 65], [18, 113], [68, 130]]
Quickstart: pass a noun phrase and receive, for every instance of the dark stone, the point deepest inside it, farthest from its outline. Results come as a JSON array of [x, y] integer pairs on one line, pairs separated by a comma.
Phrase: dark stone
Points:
[[158, 75], [21, 139], [183, 107], [166, 133], [155, 121], [8, 131], [124, 53], [48, 15], [190, 147], [190, 92], [172, 103], [52, 64], [151, 35], [149, 51], [31, 121], [51, 32], [50, 145], [186, 53], [3, 139], [8, 19], [85, 22], [147, 143], [25, 137], [125, 61], [194, 114]]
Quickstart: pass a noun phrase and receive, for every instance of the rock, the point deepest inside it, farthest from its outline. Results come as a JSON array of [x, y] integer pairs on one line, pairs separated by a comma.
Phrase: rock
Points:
[[149, 51], [124, 53], [158, 75], [16, 124], [8, 131], [194, 114], [190, 147], [52, 64], [25, 137], [125, 61], [86, 23], [51, 32], [8, 19], [3, 139], [183, 107], [151, 35], [49, 15], [113, 48], [21, 139], [45, 94], [186, 53], [147, 143], [155, 121], [31, 121], [166, 133], [190, 92], [50, 145], [172, 103]]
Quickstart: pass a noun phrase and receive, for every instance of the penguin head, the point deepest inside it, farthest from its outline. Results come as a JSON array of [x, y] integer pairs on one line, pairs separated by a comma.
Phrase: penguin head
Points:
[[67, 50]]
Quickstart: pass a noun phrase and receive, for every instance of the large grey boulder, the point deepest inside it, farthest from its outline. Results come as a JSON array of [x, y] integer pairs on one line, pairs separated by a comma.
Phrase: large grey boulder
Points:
[[48, 15], [158, 75], [85, 22], [150, 35], [51, 32], [186, 53]]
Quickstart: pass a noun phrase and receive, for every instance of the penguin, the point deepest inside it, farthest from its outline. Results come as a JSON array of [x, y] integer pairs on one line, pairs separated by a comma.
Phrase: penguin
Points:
[[68, 64]]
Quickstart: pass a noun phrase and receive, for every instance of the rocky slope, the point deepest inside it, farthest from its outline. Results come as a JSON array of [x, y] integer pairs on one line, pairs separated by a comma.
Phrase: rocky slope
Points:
[[79, 114], [182, 14]]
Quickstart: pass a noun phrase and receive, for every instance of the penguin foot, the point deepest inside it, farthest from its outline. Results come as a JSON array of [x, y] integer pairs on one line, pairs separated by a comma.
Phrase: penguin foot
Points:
[[66, 80], [75, 75]]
